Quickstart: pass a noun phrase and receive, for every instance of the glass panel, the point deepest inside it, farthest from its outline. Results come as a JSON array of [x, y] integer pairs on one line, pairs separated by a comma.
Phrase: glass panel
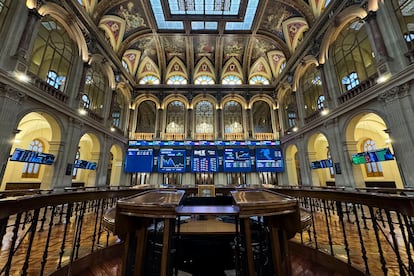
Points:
[[175, 117], [262, 118], [204, 117], [146, 117], [233, 118]]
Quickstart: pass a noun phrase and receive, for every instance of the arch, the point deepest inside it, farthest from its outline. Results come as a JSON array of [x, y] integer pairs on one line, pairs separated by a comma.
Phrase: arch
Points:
[[232, 67], [125, 91], [142, 98], [201, 97], [307, 61], [131, 58], [233, 97], [176, 67], [260, 68], [291, 161], [115, 167], [175, 97], [293, 30], [148, 67], [265, 98], [64, 18], [204, 67], [114, 28], [341, 20], [107, 69], [276, 59]]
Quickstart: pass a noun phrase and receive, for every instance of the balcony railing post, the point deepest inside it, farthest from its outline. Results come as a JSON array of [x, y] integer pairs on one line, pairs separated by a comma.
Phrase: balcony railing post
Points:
[[361, 240], [375, 227], [32, 231]]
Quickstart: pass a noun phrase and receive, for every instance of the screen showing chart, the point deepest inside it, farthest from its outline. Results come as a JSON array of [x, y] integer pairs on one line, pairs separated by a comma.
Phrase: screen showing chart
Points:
[[139, 160], [269, 160], [237, 160], [204, 160], [321, 164], [83, 164], [29, 156], [171, 160]]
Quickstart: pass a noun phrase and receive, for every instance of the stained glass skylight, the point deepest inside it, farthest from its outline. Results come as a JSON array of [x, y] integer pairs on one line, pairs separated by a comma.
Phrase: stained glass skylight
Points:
[[204, 14], [204, 7]]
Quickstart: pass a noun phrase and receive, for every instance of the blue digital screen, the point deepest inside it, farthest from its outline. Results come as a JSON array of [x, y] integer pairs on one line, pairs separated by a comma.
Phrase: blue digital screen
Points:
[[171, 160], [83, 164], [139, 160], [204, 160], [29, 156], [237, 160], [269, 160], [321, 164]]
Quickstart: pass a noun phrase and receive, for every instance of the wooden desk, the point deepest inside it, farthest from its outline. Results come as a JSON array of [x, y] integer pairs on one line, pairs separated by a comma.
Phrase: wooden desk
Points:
[[134, 215], [210, 226]]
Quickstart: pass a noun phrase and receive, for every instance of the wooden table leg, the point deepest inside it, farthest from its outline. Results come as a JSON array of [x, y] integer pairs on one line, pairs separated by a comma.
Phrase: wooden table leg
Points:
[[249, 246], [165, 247]]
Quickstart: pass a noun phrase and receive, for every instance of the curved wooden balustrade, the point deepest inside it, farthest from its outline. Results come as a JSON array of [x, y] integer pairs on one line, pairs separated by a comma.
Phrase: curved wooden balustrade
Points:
[[368, 229]]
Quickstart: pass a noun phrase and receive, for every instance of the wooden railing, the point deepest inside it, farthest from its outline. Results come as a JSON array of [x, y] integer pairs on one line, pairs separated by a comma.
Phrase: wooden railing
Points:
[[143, 136], [370, 230], [42, 233], [234, 136], [266, 136]]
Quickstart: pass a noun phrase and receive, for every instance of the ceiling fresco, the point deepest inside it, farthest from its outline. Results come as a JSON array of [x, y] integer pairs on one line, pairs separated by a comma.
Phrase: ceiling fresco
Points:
[[133, 31]]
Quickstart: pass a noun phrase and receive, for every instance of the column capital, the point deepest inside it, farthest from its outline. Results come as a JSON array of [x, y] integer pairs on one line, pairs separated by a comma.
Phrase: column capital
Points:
[[9, 92]]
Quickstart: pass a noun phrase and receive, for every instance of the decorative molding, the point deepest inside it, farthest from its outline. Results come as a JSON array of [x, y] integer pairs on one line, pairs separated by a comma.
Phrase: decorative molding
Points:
[[11, 93], [395, 93]]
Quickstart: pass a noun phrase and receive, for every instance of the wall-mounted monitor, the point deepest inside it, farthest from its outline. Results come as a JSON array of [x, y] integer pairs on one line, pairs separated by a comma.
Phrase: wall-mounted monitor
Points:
[[321, 164], [204, 160], [269, 160], [372, 156], [83, 164], [171, 160], [237, 160], [21, 155], [139, 160]]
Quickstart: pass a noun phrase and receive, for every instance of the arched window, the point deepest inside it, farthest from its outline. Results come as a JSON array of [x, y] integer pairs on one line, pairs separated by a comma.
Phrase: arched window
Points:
[[259, 80], [149, 79], [52, 53], [203, 80], [311, 89], [405, 14], [175, 117], [177, 80], [75, 170], [31, 170], [95, 87], [262, 118], [4, 7], [146, 117], [231, 80], [373, 169], [204, 117], [233, 117], [353, 56]]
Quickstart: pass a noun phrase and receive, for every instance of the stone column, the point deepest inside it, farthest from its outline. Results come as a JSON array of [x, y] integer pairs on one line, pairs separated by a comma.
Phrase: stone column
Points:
[[219, 123], [378, 44], [350, 148], [65, 154], [399, 109], [249, 126], [26, 41], [306, 174], [55, 148], [11, 102], [189, 123], [159, 126]]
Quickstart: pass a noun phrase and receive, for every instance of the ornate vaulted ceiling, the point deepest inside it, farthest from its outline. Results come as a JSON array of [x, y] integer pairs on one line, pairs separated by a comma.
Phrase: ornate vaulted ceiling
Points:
[[159, 36]]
